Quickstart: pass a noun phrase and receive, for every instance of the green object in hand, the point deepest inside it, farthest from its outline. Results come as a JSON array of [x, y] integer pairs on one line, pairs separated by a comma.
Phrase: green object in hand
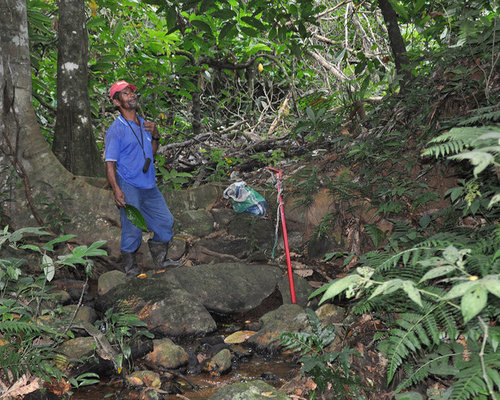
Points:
[[135, 216]]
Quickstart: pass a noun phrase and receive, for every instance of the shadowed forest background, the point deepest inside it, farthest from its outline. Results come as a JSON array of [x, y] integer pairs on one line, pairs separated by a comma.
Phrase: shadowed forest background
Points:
[[387, 109]]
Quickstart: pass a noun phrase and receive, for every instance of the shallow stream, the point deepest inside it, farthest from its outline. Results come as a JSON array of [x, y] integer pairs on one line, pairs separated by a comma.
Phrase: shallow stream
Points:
[[276, 371]]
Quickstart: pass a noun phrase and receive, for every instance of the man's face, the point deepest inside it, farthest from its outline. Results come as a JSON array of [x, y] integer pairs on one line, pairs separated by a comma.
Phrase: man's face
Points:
[[127, 99]]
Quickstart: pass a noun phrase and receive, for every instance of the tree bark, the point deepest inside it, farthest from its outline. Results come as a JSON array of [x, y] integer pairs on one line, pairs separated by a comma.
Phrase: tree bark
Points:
[[74, 143], [27, 164], [396, 41]]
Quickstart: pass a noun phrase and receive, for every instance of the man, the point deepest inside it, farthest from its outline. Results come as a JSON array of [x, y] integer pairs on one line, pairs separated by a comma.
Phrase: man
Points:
[[131, 144]]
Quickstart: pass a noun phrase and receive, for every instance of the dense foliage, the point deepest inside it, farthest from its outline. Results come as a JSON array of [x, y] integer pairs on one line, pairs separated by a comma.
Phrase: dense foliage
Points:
[[221, 76]]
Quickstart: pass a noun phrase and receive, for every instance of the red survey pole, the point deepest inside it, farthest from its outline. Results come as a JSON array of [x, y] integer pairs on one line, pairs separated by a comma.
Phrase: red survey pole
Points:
[[279, 173]]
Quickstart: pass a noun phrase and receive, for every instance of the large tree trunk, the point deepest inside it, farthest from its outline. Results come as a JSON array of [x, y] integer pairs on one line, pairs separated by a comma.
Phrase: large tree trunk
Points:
[[396, 41], [74, 143], [27, 164]]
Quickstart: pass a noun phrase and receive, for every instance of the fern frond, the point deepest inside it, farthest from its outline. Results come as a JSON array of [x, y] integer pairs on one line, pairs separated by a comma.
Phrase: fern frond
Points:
[[300, 342], [481, 115], [414, 332], [437, 363], [15, 327], [470, 380], [456, 140]]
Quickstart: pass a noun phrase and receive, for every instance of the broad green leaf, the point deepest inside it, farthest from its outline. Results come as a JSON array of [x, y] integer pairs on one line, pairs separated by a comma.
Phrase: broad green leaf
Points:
[[494, 200], [473, 301], [480, 159], [249, 31], [339, 285], [135, 216], [437, 272], [30, 247], [258, 47], [224, 14], [171, 18], [202, 25], [459, 290], [492, 284], [400, 9], [254, 23], [228, 26], [494, 338], [451, 254], [412, 292], [118, 29], [13, 272], [50, 245], [48, 267], [418, 5], [387, 287]]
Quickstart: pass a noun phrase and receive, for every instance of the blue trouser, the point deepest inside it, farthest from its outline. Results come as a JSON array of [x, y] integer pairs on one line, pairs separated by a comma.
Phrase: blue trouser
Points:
[[152, 205]]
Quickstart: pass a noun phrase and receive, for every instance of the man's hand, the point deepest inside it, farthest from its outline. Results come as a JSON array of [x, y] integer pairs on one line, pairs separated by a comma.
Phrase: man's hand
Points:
[[151, 127], [120, 198]]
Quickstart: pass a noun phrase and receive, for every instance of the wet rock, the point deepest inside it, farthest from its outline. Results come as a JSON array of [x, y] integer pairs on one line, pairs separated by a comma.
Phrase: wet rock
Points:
[[194, 366], [76, 353], [229, 287], [305, 218], [196, 222], [222, 216], [238, 247], [302, 290], [239, 337], [61, 296], [144, 378], [201, 197], [287, 318], [167, 354], [270, 376], [109, 280], [84, 313], [330, 313], [150, 394], [163, 304], [204, 255], [254, 390], [241, 352], [77, 348], [220, 363], [258, 231]]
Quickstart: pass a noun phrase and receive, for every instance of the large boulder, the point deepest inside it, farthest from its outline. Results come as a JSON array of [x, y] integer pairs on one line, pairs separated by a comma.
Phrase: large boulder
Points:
[[301, 286], [167, 354], [227, 288], [286, 318], [195, 222], [201, 197], [167, 308]]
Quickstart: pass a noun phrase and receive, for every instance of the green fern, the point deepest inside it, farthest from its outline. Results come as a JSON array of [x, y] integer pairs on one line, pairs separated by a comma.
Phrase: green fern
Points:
[[24, 327], [316, 362], [459, 139], [470, 380], [439, 363], [482, 115], [412, 333]]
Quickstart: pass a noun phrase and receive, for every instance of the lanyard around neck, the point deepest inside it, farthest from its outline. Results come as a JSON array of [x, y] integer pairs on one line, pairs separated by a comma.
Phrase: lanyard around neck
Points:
[[141, 142]]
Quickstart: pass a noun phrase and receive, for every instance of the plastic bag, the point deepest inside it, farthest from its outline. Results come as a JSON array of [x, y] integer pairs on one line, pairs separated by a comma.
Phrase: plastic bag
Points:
[[245, 199]]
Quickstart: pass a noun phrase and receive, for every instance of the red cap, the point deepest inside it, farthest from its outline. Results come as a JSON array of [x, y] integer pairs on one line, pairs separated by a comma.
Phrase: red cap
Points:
[[119, 86]]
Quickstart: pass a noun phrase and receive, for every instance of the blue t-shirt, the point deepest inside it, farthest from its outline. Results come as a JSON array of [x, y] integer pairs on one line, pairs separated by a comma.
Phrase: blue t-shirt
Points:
[[125, 146]]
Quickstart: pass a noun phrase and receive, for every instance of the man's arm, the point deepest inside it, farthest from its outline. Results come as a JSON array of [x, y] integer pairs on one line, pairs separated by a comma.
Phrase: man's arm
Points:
[[155, 135], [111, 175]]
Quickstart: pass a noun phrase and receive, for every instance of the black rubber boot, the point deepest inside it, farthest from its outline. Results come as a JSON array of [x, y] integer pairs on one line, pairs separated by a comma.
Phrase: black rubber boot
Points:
[[159, 251], [130, 264]]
